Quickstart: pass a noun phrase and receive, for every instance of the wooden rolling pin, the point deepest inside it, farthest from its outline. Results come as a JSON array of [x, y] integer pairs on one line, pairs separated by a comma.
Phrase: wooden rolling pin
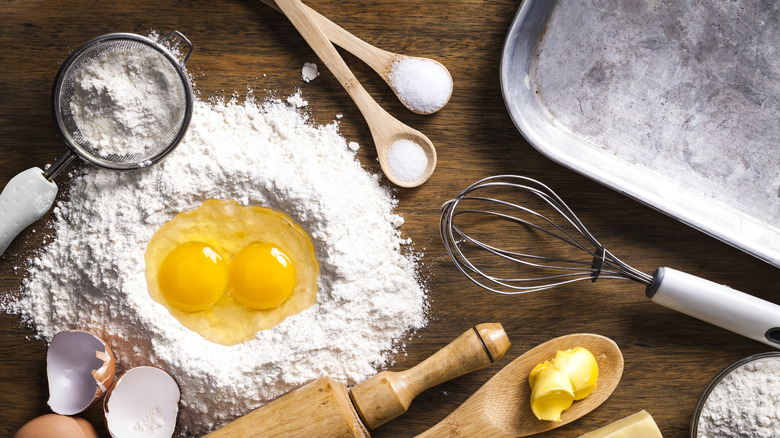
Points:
[[324, 408]]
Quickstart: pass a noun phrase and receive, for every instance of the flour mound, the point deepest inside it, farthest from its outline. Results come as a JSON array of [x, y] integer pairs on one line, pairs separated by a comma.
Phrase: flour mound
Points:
[[91, 276]]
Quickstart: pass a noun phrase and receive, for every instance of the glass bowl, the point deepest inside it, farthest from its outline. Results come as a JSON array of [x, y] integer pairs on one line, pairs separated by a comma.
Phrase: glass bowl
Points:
[[714, 382]]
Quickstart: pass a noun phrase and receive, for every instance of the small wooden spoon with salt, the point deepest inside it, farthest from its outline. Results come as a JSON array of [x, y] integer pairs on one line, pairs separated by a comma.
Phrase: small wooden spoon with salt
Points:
[[386, 130], [381, 61], [501, 407]]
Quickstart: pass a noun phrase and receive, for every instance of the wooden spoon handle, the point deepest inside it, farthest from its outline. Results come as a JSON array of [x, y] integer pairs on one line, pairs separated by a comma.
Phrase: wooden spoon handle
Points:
[[378, 59], [388, 394], [298, 15]]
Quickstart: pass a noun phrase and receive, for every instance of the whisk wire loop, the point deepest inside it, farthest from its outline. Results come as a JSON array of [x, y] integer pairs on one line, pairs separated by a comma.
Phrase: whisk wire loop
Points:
[[460, 244]]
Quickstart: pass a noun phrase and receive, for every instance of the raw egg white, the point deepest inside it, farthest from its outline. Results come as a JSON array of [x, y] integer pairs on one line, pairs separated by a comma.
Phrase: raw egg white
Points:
[[228, 271]]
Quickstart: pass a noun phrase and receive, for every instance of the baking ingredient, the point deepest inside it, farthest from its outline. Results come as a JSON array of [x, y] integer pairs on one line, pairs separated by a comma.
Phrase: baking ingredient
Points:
[[639, 425], [228, 271], [142, 403], [745, 403], [556, 383], [407, 160], [91, 273], [422, 84], [80, 368], [309, 72], [262, 276], [579, 365], [127, 100], [57, 426], [551, 394], [191, 277]]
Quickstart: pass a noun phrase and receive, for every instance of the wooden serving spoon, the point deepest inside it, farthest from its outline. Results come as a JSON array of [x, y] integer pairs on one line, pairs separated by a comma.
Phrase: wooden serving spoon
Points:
[[379, 60], [385, 129], [501, 408]]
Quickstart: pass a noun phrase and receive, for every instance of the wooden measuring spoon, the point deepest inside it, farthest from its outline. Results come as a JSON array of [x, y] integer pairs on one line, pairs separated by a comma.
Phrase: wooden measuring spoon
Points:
[[501, 408], [385, 129], [381, 61]]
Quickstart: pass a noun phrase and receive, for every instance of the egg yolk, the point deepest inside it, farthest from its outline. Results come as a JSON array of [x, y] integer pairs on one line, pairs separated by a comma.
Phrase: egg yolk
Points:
[[264, 271], [193, 276], [261, 276]]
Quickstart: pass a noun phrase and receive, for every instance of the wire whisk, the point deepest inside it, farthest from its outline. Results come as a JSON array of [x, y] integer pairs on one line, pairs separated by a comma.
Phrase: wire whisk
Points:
[[527, 219], [477, 204]]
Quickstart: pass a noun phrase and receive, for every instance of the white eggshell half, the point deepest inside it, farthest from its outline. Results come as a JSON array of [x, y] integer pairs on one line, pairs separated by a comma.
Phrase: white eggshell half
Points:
[[80, 368], [143, 403]]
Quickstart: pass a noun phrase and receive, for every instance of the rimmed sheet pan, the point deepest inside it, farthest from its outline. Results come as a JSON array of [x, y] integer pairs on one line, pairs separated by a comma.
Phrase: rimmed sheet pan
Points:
[[676, 104]]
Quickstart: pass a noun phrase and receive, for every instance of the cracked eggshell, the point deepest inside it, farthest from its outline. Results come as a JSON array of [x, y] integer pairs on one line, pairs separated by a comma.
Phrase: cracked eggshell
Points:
[[80, 368], [143, 403]]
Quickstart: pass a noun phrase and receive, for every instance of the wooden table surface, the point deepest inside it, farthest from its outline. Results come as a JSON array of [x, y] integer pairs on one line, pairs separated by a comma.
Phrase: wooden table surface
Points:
[[669, 357]]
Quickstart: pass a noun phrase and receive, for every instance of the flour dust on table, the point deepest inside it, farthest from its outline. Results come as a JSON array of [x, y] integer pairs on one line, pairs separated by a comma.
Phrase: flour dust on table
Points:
[[91, 275]]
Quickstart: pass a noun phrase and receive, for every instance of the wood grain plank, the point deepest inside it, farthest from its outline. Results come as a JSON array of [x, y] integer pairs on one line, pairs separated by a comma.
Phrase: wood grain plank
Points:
[[669, 357]]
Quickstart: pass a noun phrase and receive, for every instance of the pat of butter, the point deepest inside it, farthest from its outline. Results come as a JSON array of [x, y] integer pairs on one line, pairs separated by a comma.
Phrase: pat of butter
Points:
[[639, 425]]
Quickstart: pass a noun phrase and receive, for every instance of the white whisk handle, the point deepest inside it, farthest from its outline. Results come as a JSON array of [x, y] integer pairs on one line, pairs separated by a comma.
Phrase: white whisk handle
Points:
[[25, 198], [717, 304]]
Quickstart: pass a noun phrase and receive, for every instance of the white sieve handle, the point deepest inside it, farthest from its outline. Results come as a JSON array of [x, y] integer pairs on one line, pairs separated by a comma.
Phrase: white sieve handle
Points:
[[717, 304], [25, 198]]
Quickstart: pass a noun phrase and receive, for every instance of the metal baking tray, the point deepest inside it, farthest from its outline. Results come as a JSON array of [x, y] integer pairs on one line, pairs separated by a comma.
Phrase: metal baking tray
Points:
[[676, 104]]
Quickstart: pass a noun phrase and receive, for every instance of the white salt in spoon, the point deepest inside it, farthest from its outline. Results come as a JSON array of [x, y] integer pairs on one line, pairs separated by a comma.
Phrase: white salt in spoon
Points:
[[387, 131], [423, 85]]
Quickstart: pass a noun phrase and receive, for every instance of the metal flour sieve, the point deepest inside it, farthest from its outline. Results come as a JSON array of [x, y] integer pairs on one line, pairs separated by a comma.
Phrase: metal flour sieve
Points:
[[30, 194]]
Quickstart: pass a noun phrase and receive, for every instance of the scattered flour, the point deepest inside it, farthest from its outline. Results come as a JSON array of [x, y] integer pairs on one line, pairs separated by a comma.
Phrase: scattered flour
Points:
[[152, 422], [309, 71], [91, 275], [127, 101], [296, 100], [745, 403]]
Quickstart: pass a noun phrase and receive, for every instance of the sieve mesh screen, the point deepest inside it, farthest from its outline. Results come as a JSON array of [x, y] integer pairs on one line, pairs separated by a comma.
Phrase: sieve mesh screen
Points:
[[154, 147]]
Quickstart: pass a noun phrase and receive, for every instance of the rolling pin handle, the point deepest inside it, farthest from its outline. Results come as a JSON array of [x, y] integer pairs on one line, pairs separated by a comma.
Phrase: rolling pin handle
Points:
[[389, 394]]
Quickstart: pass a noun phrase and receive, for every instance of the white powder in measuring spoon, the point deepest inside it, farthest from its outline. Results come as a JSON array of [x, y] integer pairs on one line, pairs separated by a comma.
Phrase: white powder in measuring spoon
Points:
[[91, 275], [745, 403], [422, 84], [127, 101], [407, 160]]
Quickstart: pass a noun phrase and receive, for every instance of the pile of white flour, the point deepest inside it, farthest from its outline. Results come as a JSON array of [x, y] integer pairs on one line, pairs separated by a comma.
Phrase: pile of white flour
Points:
[[745, 403], [91, 275]]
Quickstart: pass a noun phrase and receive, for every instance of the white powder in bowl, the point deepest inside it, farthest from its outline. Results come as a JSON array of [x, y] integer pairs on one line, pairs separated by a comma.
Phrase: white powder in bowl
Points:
[[422, 84], [91, 275], [407, 160], [745, 403], [127, 101]]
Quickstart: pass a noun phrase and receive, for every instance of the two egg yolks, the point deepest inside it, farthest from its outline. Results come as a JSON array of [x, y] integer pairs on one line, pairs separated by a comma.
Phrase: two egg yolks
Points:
[[193, 277], [228, 271]]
